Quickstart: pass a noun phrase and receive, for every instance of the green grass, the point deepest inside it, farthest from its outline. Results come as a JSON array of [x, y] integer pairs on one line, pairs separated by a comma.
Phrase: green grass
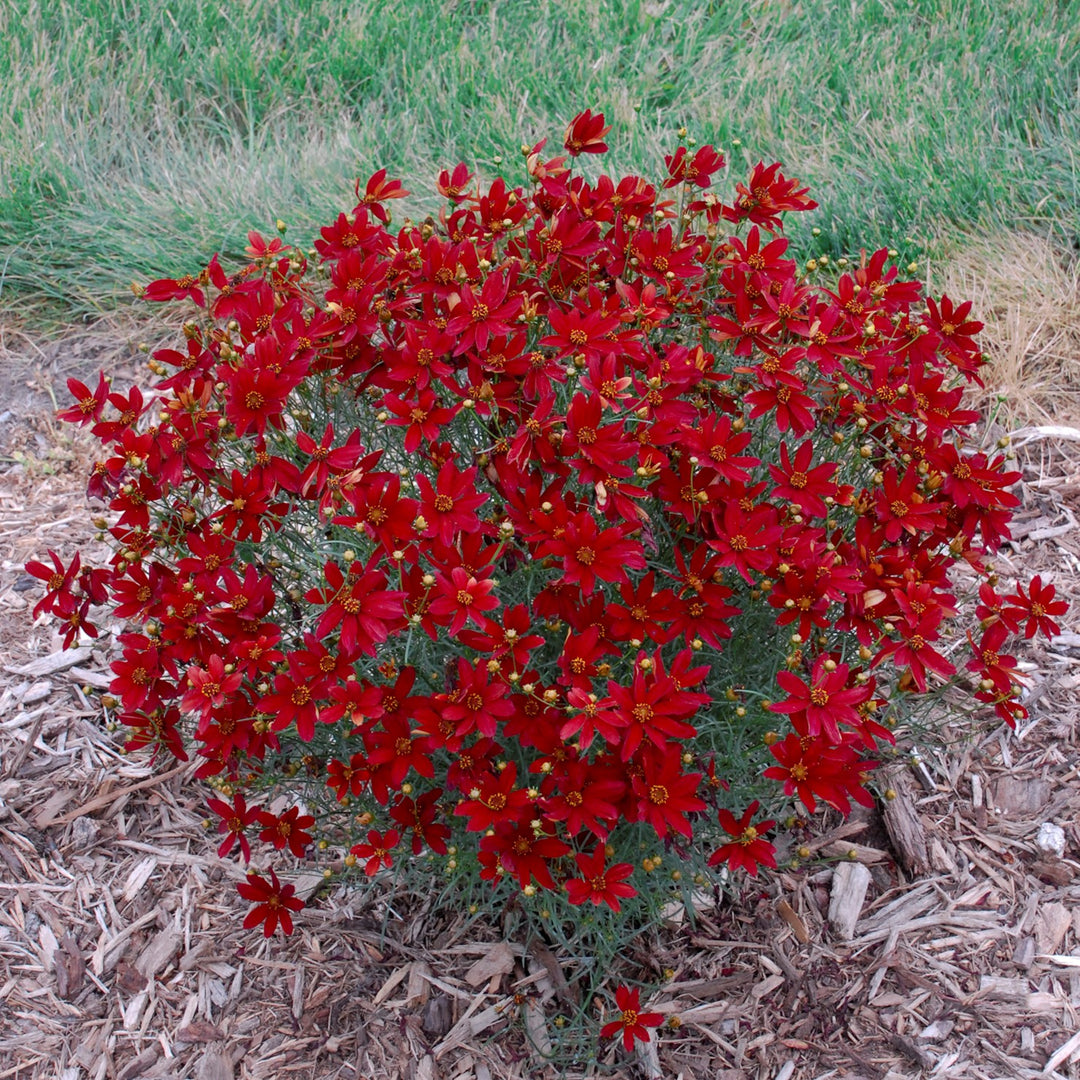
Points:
[[137, 138]]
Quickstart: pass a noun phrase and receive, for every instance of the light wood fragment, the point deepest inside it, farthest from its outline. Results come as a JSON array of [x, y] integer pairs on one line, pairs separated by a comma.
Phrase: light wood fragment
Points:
[[849, 885]]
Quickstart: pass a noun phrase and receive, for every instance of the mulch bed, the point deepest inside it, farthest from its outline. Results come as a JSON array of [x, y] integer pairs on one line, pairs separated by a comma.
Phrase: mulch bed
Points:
[[937, 936]]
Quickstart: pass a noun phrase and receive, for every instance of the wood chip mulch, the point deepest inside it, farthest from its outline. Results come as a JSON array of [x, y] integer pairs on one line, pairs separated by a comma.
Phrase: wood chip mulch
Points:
[[936, 937]]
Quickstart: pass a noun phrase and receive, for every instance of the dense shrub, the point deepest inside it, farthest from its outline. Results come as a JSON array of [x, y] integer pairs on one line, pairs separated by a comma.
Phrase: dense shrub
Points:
[[506, 536]]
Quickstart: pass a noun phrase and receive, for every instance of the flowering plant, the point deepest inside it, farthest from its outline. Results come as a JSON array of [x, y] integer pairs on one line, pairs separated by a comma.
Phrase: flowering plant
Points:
[[506, 533]]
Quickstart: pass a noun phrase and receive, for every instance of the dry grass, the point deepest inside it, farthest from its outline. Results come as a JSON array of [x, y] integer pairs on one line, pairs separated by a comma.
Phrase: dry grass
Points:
[[1026, 289]]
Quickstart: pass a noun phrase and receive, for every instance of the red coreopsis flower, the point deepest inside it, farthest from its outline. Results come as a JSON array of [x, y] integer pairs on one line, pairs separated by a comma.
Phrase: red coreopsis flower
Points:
[[766, 195], [423, 417], [462, 597], [360, 604], [589, 552], [798, 483], [185, 287], [274, 903], [1034, 608], [89, 404], [632, 1023], [235, 820], [454, 186], [599, 883], [698, 170], [378, 851], [59, 580], [495, 799], [419, 817], [665, 794], [475, 319], [378, 191], [210, 687], [746, 539], [293, 702], [748, 850], [900, 508], [818, 707], [449, 505], [585, 134], [286, 830]]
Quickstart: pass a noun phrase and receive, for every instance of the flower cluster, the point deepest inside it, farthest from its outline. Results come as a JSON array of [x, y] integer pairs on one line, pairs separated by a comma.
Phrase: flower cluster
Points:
[[492, 526]]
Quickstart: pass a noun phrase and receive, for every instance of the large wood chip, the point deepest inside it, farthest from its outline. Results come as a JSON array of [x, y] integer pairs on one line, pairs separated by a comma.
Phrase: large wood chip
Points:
[[216, 1065], [497, 962], [54, 662], [70, 968], [905, 827], [794, 921], [849, 885], [162, 947], [200, 1031], [1021, 796], [138, 1065], [1051, 924], [566, 993]]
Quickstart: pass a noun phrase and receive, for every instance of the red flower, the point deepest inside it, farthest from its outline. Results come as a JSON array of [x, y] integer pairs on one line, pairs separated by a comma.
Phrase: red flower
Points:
[[900, 508], [462, 597], [599, 884], [59, 580], [210, 687], [449, 505], [88, 404], [632, 1022], [366, 611], [286, 830], [377, 850], [475, 319], [666, 794], [1035, 606], [452, 185], [273, 901], [234, 821], [797, 483], [588, 552], [585, 134], [378, 191], [748, 851], [818, 707]]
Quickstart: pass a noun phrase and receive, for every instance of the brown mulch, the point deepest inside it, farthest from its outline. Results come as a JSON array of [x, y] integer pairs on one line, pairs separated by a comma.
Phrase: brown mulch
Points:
[[932, 937]]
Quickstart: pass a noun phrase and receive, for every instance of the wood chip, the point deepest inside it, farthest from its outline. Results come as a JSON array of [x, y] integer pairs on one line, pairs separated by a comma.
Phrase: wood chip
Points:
[[490, 968], [904, 826], [216, 1065], [70, 968], [794, 921], [138, 1065], [849, 885], [1051, 924], [200, 1031], [54, 662]]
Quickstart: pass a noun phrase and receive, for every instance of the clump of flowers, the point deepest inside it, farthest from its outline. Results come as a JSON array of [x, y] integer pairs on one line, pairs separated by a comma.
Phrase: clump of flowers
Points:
[[504, 535]]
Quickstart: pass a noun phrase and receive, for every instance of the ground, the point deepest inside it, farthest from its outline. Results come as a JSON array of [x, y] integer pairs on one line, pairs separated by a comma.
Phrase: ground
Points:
[[932, 936]]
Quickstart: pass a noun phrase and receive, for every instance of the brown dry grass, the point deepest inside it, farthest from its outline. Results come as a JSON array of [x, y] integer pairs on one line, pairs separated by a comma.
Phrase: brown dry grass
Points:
[[1026, 289]]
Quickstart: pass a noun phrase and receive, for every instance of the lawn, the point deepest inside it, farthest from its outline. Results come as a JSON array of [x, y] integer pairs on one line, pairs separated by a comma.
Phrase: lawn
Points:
[[137, 138]]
